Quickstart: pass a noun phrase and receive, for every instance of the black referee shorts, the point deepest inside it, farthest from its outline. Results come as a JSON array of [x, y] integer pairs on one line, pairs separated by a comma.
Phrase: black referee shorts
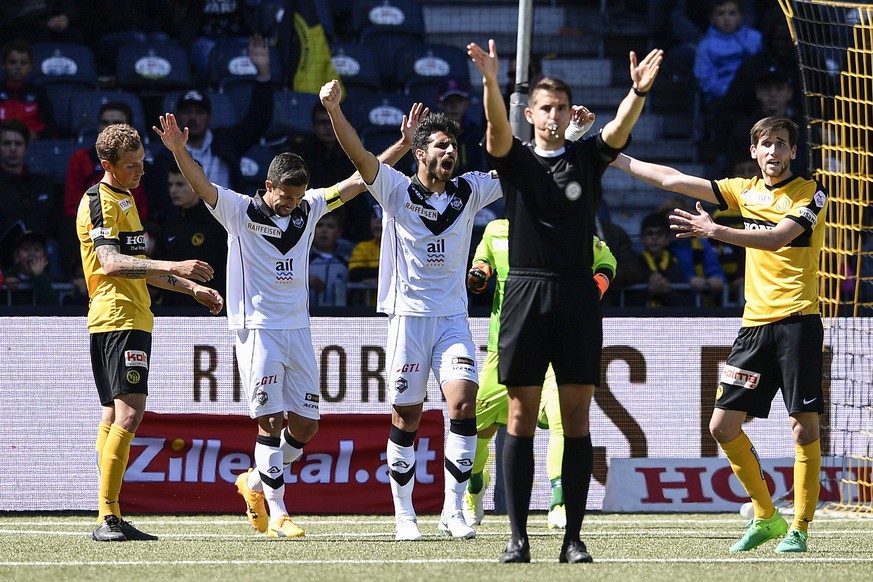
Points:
[[549, 318], [120, 362]]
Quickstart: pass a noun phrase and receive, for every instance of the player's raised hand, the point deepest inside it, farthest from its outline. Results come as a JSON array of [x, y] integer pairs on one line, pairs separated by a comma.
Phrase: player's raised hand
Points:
[[487, 63], [330, 95], [643, 73], [171, 134], [410, 122]]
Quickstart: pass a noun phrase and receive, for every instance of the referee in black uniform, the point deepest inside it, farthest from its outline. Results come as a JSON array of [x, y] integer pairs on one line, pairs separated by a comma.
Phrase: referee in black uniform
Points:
[[551, 311]]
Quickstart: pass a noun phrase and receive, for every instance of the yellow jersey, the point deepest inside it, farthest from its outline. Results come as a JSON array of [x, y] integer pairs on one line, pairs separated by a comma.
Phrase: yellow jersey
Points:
[[108, 216], [783, 282]]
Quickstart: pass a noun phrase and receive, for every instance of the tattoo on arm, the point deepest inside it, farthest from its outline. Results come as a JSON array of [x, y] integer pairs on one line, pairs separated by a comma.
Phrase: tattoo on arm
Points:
[[126, 266], [172, 280]]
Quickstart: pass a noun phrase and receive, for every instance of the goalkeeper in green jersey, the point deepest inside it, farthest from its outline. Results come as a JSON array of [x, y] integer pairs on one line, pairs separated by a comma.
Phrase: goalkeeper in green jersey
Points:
[[492, 402]]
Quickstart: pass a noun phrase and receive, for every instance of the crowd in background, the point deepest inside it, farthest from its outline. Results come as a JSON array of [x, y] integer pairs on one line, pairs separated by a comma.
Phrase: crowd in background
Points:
[[736, 54]]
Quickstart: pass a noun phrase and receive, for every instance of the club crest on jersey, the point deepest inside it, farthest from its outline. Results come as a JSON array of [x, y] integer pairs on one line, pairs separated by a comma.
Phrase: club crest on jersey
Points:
[[285, 270], [265, 229], [783, 203], [573, 191], [428, 213], [436, 253], [456, 203], [298, 222]]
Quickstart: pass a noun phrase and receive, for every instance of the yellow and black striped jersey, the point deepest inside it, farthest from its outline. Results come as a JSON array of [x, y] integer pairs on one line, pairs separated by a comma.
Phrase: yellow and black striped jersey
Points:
[[108, 216], [783, 282]]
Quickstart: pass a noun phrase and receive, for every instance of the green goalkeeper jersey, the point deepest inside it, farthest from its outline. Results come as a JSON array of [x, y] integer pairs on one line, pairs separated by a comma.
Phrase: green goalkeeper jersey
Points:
[[494, 250]]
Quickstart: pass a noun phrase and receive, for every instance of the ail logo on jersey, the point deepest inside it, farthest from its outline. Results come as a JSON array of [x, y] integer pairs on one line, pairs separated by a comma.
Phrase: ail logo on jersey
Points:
[[436, 253], [265, 229], [739, 377], [136, 358], [285, 271]]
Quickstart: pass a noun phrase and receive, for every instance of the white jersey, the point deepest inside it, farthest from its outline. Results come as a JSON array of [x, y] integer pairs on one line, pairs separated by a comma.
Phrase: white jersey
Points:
[[268, 259], [426, 241]]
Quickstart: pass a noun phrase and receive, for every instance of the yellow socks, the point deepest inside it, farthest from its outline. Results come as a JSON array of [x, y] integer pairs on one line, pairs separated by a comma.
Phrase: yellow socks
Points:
[[113, 463], [744, 462], [807, 483], [102, 433]]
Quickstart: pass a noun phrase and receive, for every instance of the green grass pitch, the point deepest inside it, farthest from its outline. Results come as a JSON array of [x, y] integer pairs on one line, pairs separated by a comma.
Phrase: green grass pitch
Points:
[[224, 547]]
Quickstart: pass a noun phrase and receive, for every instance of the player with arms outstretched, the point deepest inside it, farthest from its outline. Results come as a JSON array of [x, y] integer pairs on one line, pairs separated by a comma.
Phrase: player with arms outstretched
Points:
[[779, 345]]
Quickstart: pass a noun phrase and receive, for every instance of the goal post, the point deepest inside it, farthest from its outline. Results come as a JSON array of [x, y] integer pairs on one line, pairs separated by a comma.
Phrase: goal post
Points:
[[834, 44]]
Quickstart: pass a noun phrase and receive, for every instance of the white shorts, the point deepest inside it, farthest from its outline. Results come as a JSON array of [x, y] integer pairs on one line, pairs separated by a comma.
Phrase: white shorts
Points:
[[277, 368], [417, 345]]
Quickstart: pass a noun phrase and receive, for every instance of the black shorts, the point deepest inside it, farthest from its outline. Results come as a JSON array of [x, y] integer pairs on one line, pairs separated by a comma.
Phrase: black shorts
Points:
[[549, 318], [120, 362], [786, 354]]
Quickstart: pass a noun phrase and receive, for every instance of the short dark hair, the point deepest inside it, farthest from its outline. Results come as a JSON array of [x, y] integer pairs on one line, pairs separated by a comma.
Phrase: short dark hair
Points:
[[655, 220], [17, 126], [765, 127], [288, 169], [553, 85], [117, 106], [18, 45], [434, 123]]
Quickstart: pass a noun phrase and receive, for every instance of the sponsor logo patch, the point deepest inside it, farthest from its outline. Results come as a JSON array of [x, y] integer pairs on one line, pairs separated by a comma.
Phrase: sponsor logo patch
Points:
[[739, 377], [264, 229], [808, 215], [428, 213], [820, 198], [136, 358], [99, 233], [125, 204]]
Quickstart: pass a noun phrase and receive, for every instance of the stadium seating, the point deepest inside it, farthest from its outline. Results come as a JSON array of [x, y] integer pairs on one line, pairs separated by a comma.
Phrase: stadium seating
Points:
[[253, 166], [225, 111], [386, 109], [69, 65], [229, 63], [388, 28], [357, 67], [431, 63], [85, 107], [153, 66], [292, 115], [50, 157]]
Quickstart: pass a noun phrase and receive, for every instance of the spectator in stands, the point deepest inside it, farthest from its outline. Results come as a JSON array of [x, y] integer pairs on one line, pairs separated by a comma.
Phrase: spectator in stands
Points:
[[673, 27], [364, 262], [27, 201], [733, 257], [454, 101], [329, 164], [129, 21], [698, 259], [777, 53], [329, 263], [725, 45], [83, 171], [43, 21], [194, 233], [29, 279], [19, 97], [662, 266], [629, 271], [207, 22], [218, 151], [774, 95]]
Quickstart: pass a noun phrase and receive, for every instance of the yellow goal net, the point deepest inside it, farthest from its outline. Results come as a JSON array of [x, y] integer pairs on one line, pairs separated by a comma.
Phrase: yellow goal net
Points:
[[834, 44]]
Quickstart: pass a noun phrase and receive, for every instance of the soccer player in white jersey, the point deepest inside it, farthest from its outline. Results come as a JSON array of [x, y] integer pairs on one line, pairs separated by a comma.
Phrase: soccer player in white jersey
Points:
[[427, 223], [270, 235]]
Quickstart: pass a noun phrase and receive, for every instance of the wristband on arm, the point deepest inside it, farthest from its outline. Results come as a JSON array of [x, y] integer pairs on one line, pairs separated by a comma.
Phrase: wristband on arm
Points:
[[602, 282]]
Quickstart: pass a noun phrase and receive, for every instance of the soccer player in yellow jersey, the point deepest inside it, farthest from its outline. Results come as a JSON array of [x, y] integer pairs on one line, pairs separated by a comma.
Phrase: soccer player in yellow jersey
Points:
[[780, 342], [112, 242]]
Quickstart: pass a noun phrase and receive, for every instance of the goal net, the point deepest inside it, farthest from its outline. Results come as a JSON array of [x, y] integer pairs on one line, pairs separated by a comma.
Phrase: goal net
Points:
[[834, 42]]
